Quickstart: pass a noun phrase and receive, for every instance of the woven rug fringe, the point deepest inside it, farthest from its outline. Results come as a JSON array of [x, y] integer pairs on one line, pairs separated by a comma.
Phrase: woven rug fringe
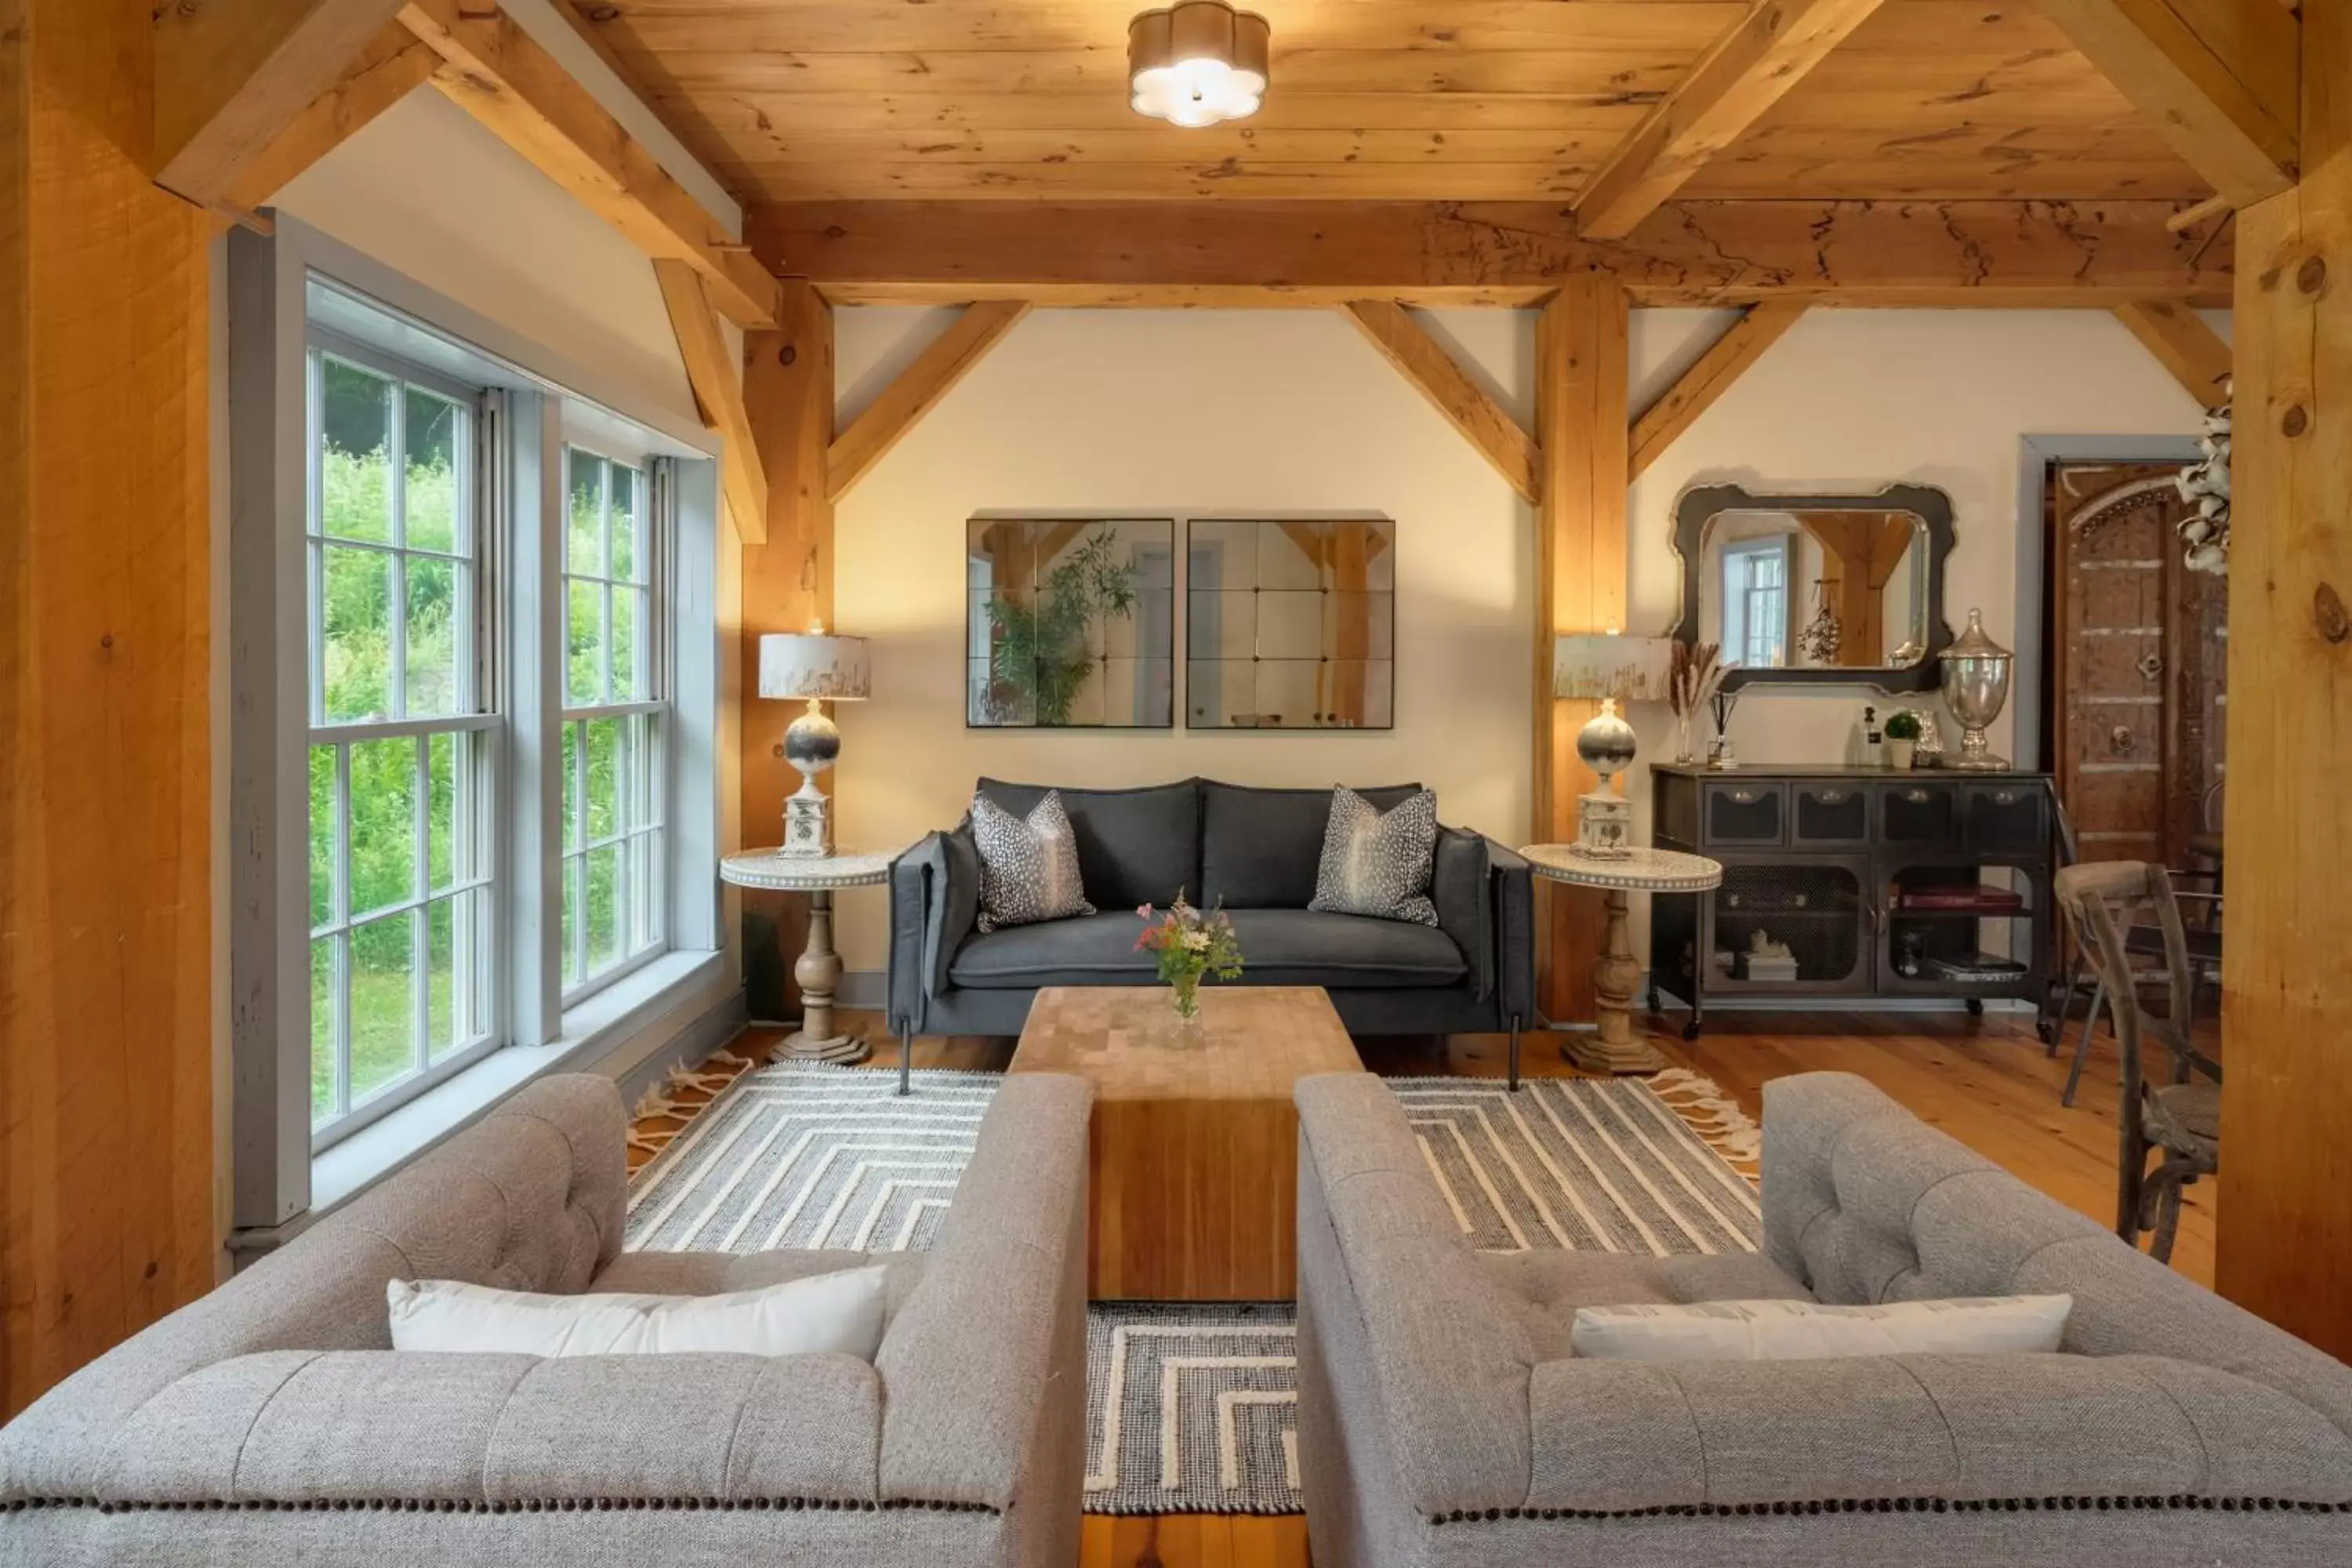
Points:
[[1714, 1115]]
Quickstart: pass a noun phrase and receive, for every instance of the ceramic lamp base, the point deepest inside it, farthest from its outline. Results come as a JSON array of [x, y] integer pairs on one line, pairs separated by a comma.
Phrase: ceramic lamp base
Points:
[[1604, 823], [811, 744], [808, 823]]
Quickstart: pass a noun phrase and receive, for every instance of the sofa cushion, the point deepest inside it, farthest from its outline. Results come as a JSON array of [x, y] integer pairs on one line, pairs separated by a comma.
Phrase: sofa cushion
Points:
[[1545, 1289], [1280, 947], [1377, 862], [838, 1312], [1135, 846], [1808, 1331], [1260, 848], [1028, 865]]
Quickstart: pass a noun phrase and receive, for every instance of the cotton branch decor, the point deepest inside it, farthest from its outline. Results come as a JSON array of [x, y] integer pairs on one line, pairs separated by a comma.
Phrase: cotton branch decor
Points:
[[1822, 636], [1692, 672], [2207, 483]]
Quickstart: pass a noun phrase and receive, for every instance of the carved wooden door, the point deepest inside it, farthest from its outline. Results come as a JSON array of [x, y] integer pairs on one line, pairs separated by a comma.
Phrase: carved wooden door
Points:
[[2139, 648]]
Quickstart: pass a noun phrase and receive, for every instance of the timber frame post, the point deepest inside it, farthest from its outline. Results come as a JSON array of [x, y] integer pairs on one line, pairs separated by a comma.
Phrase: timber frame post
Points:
[[788, 396], [2286, 1234], [1581, 375]]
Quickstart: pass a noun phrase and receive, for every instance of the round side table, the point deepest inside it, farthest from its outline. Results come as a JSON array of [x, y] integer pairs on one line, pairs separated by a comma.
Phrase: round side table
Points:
[[1613, 1046], [818, 968]]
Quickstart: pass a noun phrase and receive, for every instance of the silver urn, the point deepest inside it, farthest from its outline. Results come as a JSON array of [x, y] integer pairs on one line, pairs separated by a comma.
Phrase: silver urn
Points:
[[1976, 687]]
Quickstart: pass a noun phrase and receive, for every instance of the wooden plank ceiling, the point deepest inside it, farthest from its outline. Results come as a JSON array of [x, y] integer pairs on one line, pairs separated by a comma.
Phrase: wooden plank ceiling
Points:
[[1382, 100]]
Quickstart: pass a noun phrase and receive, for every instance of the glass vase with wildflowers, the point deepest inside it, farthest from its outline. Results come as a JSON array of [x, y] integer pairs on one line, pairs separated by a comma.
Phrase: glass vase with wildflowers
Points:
[[1189, 946]]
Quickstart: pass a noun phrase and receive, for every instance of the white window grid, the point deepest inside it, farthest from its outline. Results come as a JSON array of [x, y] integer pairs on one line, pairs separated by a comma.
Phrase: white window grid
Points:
[[614, 839], [450, 881]]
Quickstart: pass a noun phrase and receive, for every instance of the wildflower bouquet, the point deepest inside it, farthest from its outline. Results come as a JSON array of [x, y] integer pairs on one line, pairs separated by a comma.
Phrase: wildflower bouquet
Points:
[[1189, 945]]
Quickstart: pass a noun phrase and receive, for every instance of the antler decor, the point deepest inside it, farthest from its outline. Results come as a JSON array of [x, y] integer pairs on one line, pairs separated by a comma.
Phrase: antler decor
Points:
[[2207, 483]]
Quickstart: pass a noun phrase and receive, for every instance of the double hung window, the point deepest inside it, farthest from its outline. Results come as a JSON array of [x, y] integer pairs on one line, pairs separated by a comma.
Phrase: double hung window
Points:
[[403, 733], [616, 719]]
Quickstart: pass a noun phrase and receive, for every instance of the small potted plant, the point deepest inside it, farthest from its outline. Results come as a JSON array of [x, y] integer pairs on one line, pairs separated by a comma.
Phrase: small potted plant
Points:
[[1188, 947], [1901, 738]]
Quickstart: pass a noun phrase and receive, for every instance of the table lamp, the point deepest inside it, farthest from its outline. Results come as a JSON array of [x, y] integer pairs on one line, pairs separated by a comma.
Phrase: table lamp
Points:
[[1615, 669], [815, 666]]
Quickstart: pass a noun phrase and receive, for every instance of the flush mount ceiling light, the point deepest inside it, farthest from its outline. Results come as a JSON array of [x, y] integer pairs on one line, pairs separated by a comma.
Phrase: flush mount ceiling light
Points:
[[1199, 62]]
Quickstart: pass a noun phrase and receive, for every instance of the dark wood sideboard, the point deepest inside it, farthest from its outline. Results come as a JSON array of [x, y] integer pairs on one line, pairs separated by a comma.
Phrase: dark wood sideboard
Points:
[[1930, 883]]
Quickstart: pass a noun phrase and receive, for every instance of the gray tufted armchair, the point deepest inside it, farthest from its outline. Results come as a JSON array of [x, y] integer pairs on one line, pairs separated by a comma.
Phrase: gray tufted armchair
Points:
[[272, 1422], [1443, 1420]]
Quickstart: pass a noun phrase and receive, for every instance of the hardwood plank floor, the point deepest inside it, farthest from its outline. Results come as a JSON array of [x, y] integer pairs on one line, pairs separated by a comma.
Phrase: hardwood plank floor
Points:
[[1984, 1080]]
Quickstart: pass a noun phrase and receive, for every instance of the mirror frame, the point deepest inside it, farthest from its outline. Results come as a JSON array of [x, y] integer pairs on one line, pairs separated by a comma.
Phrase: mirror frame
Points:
[[1696, 507]]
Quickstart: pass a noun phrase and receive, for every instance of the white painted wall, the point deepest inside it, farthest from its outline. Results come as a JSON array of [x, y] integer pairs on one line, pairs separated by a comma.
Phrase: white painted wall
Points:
[[427, 192], [1171, 413], [1180, 412]]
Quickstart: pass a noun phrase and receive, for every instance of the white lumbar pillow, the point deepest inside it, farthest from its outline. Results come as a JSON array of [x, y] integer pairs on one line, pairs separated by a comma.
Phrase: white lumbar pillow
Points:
[[839, 1311], [1807, 1331]]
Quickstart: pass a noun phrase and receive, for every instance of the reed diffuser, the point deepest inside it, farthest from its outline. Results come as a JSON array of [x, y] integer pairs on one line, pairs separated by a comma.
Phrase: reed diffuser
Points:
[[1718, 751]]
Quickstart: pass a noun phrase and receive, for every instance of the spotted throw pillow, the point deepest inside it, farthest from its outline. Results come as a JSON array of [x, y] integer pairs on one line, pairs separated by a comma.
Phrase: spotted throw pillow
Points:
[[1028, 868], [1378, 863]]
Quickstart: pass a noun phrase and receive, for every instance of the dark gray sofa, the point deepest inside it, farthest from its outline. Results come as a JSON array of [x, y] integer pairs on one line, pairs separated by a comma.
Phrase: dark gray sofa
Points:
[[1252, 851]]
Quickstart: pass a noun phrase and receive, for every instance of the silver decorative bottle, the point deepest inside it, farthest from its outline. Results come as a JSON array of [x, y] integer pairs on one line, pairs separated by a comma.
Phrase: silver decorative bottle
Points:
[[1976, 686]]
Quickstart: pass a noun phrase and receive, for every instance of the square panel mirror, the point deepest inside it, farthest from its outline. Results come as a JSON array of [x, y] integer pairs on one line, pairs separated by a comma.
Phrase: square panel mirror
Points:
[[1069, 623], [1290, 625]]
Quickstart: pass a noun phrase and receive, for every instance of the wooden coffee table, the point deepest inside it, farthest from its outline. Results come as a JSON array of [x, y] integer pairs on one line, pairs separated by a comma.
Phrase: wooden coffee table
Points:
[[1192, 1187]]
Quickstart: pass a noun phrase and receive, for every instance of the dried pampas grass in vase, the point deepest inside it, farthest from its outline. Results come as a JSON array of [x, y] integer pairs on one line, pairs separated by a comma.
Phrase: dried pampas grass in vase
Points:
[[1692, 672]]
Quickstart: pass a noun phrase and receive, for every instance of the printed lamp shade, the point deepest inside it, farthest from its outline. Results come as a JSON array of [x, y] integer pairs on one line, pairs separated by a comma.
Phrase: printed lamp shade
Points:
[[1605, 664], [813, 664]]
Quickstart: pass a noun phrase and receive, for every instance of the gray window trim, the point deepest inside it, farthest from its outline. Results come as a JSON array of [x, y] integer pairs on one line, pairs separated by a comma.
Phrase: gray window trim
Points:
[[272, 285]]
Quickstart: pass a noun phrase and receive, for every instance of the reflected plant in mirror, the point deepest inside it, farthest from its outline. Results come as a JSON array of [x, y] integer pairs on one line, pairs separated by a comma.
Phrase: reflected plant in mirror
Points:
[[1069, 623], [1813, 589]]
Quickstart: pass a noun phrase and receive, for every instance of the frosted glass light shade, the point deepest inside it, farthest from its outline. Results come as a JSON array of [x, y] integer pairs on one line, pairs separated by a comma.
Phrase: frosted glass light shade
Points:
[[810, 664], [1197, 63], [1630, 669]]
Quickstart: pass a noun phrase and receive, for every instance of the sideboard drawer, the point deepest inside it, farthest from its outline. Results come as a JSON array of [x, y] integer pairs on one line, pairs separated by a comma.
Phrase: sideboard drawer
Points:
[[1918, 813], [1831, 813], [2007, 819], [1744, 814]]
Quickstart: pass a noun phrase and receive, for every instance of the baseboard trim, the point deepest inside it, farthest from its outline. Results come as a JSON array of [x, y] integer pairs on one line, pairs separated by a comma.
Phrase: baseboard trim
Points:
[[688, 1048]]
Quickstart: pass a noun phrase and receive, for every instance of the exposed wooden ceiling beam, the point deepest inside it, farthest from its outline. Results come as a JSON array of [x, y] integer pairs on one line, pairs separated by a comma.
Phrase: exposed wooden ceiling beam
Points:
[[1328, 253], [1433, 373], [947, 360], [1726, 360], [496, 72], [393, 64], [718, 383], [2194, 352], [231, 77], [2218, 78], [1745, 73]]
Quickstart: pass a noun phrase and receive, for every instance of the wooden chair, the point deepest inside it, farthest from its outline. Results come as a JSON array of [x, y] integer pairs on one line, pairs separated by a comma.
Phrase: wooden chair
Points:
[[2181, 1119], [2201, 932]]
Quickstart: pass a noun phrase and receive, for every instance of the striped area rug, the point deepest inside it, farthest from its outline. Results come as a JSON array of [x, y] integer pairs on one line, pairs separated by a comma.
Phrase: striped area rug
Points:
[[1191, 1409]]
